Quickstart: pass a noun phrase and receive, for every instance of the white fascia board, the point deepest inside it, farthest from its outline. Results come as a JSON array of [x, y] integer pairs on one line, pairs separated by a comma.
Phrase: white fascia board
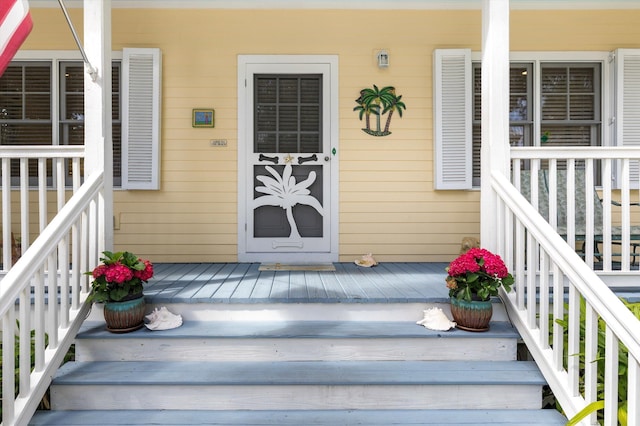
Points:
[[350, 4]]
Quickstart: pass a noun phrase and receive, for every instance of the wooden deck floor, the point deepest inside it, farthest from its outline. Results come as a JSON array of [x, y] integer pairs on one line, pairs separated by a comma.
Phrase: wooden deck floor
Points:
[[245, 283]]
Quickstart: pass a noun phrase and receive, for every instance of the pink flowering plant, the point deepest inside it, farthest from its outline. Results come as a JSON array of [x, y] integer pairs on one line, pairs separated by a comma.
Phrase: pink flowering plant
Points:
[[120, 275], [477, 275]]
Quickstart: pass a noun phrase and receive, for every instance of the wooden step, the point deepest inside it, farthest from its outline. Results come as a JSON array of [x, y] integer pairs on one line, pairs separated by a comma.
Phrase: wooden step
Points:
[[325, 349], [297, 385], [302, 311], [295, 341], [298, 418]]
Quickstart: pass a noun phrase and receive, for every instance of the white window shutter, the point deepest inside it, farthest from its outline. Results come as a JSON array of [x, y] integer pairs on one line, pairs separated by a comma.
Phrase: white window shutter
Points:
[[141, 97], [452, 119], [627, 103]]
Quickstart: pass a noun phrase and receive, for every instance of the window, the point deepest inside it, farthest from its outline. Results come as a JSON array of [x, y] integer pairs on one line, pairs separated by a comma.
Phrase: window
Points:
[[288, 113], [27, 91], [25, 105], [555, 100], [569, 104], [42, 103], [520, 111]]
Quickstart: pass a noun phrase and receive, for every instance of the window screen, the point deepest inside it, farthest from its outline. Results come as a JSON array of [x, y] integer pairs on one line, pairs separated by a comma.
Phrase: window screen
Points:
[[570, 99], [288, 113]]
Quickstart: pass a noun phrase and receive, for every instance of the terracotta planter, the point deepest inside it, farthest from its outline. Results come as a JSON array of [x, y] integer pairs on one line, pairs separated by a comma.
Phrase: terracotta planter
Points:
[[125, 316], [471, 316]]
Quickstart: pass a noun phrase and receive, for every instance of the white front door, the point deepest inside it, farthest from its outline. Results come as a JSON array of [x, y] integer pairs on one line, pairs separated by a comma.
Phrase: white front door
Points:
[[287, 159]]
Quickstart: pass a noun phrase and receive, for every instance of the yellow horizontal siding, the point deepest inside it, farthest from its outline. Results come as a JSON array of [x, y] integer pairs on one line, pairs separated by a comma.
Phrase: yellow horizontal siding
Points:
[[177, 218], [387, 202], [416, 228]]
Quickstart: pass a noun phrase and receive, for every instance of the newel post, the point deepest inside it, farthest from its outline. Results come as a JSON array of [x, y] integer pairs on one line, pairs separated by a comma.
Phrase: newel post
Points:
[[495, 112], [97, 107]]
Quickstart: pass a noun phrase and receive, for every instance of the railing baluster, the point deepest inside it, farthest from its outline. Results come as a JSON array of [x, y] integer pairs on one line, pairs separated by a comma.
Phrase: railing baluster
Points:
[[625, 215], [531, 281], [85, 256], [25, 340], [74, 279], [8, 365], [42, 193], [76, 230], [558, 314], [520, 265], [39, 313], [611, 379], [544, 299], [6, 213], [573, 346], [60, 182], [24, 204], [633, 391], [63, 265], [571, 208], [553, 193], [52, 299], [590, 356], [605, 226]]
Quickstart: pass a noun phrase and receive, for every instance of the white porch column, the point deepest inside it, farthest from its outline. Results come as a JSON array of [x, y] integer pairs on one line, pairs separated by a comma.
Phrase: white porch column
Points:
[[97, 107], [495, 110]]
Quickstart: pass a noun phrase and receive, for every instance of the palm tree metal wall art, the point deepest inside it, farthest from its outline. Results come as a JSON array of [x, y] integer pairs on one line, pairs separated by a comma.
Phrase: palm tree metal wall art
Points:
[[283, 191], [379, 102]]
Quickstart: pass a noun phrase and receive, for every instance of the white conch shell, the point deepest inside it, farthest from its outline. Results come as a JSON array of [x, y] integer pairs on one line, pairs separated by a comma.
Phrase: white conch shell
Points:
[[162, 319], [367, 261], [435, 319]]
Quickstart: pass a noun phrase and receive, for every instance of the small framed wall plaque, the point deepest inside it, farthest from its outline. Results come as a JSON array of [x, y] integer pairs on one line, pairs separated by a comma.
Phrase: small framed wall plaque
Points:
[[202, 117]]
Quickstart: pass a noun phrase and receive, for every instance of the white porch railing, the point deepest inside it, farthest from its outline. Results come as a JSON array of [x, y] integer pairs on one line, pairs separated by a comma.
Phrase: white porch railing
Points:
[[55, 170], [42, 297], [553, 281]]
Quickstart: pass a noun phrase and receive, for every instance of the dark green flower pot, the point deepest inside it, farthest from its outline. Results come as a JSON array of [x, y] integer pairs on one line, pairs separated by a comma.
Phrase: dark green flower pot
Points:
[[471, 316], [125, 316]]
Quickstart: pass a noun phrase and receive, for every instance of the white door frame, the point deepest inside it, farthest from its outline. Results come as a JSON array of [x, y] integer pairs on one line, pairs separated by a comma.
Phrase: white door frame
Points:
[[244, 102]]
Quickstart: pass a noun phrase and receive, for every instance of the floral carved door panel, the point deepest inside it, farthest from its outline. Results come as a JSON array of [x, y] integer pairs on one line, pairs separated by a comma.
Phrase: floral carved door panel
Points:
[[289, 162]]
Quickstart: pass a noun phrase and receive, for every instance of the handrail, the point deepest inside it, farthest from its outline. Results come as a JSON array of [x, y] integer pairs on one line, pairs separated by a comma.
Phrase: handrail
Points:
[[43, 270], [546, 266], [37, 151], [576, 152]]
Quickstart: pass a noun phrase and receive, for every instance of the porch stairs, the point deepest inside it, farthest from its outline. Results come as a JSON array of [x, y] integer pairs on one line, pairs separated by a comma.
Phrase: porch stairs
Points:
[[298, 361]]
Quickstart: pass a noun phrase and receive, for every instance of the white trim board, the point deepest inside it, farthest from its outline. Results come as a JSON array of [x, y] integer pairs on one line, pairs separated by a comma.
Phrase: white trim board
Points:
[[350, 4]]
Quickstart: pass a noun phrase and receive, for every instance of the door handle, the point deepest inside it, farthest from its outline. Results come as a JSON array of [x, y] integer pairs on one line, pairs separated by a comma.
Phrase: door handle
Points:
[[262, 157], [302, 160]]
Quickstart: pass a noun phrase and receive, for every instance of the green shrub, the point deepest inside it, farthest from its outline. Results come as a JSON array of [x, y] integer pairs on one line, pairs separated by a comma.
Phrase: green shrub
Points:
[[69, 356], [600, 360]]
